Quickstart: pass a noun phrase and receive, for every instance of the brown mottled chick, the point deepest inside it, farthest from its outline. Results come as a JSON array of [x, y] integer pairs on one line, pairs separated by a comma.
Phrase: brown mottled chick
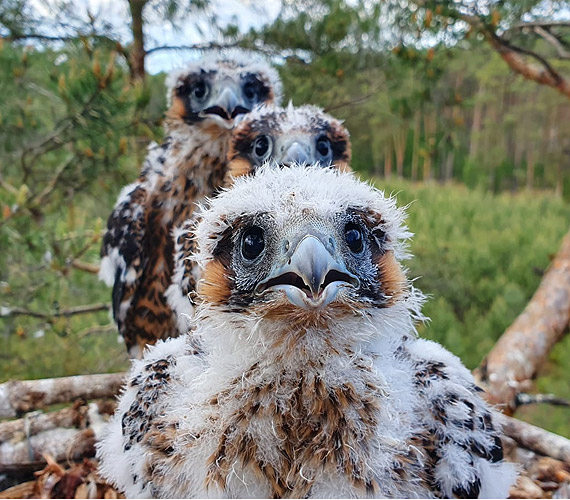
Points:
[[205, 98], [303, 134]]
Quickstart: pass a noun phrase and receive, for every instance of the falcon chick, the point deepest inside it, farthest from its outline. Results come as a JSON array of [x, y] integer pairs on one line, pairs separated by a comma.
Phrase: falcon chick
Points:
[[303, 376], [303, 134], [205, 98]]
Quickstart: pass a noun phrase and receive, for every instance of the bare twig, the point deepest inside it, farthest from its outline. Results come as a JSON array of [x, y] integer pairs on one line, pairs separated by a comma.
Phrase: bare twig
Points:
[[111, 327], [540, 24], [552, 40], [549, 68], [41, 197], [352, 102], [197, 46], [6, 312], [84, 266], [545, 75], [524, 398]]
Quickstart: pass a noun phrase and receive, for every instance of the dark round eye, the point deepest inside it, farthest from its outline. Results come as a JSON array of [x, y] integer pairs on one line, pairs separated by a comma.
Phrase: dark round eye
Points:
[[353, 237], [262, 147], [324, 147], [199, 89], [252, 243], [250, 91]]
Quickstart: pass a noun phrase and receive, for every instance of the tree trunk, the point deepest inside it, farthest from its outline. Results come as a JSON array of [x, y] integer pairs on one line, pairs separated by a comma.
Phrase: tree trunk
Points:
[[416, 144], [530, 167], [137, 52], [18, 397], [516, 357], [450, 160], [475, 136], [430, 128], [388, 160], [400, 148]]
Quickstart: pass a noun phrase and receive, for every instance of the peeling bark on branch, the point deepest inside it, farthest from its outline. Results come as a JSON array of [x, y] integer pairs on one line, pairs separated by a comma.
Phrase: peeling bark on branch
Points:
[[536, 439], [544, 75], [33, 424], [18, 397], [62, 444], [524, 346]]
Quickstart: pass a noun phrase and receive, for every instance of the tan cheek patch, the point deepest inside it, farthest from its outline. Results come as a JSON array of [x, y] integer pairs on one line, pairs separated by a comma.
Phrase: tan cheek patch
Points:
[[392, 278], [215, 284], [177, 111], [239, 167]]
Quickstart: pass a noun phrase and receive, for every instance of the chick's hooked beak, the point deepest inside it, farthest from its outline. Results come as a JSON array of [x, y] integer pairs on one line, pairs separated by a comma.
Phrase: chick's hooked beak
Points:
[[294, 150], [312, 275], [227, 104]]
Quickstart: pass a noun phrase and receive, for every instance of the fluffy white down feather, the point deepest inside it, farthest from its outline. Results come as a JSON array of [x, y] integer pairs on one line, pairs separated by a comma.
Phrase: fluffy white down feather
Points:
[[224, 345]]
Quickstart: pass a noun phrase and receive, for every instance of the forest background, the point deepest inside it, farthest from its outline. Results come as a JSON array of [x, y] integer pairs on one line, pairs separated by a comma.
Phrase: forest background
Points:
[[461, 108]]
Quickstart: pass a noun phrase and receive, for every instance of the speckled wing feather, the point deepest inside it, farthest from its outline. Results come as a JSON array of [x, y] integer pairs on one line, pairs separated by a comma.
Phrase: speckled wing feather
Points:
[[460, 440], [185, 275], [123, 258], [140, 436]]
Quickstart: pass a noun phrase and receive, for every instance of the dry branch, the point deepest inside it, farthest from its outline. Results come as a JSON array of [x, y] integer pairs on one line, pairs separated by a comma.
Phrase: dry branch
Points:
[[552, 40], [531, 399], [85, 266], [536, 439], [73, 311], [34, 423], [62, 444], [18, 397], [521, 350], [545, 75]]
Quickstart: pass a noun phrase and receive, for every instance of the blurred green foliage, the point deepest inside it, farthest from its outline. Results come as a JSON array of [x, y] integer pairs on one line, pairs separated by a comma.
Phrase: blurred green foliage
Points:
[[74, 126]]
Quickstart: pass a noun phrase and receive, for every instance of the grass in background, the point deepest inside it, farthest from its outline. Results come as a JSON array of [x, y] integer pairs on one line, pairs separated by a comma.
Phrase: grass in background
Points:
[[480, 257]]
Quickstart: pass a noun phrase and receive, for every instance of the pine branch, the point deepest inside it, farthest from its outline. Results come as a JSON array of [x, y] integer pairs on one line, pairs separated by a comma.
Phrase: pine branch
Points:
[[544, 74], [207, 46], [8, 312]]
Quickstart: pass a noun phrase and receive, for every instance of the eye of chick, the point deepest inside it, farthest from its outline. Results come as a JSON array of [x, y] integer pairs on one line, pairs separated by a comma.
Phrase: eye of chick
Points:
[[324, 146], [252, 243], [250, 91], [354, 238], [262, 147], [199, 89]]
